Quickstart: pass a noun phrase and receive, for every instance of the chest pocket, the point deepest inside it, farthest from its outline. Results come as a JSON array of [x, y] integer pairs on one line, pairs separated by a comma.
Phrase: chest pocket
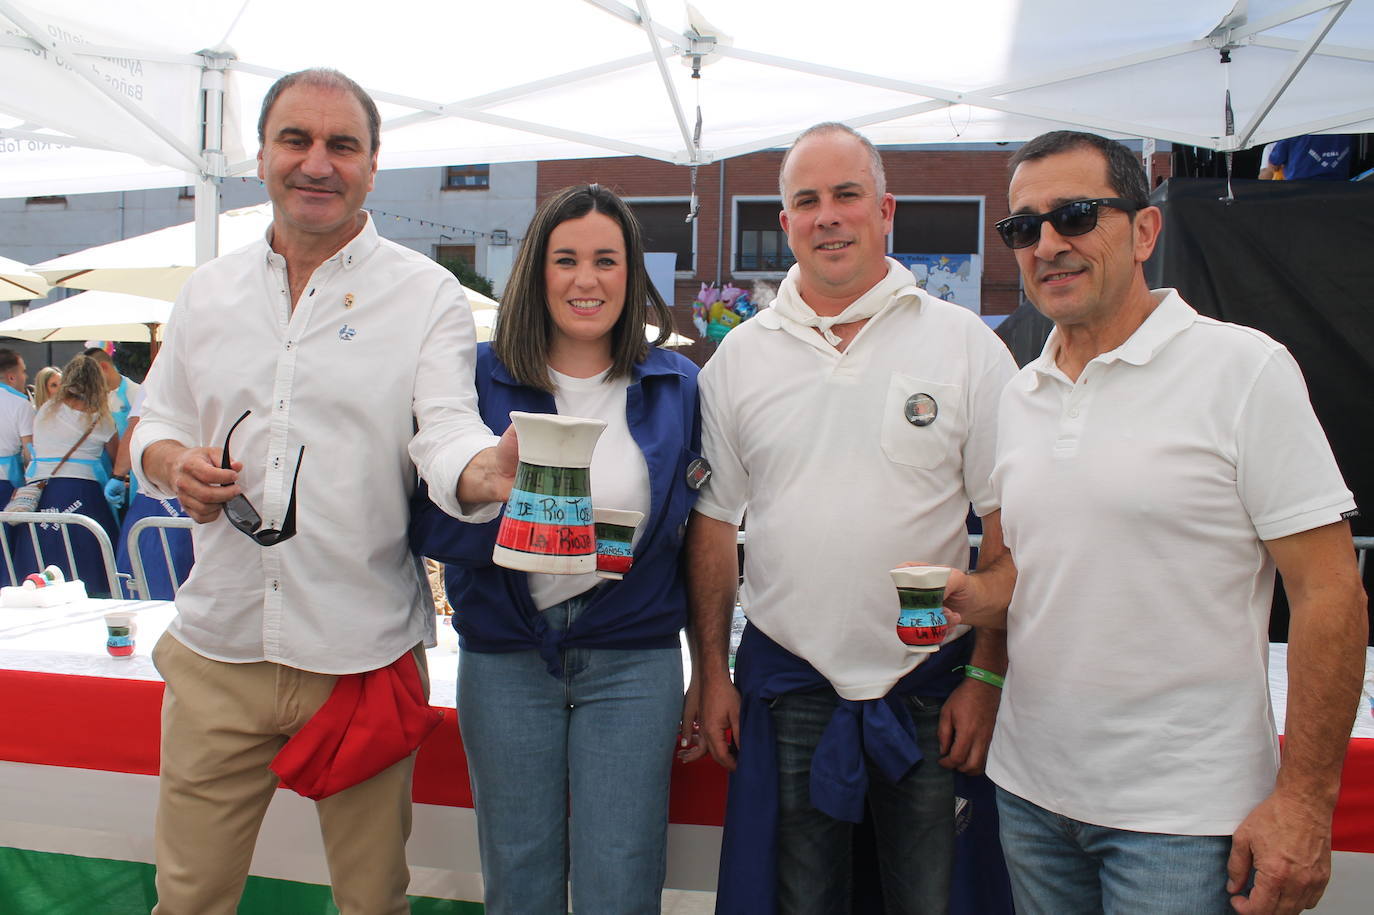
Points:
[[924, 446]]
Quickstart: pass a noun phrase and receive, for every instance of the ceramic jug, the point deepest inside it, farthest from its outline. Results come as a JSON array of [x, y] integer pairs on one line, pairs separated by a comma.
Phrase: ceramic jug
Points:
[[921, 621], [548, 524]]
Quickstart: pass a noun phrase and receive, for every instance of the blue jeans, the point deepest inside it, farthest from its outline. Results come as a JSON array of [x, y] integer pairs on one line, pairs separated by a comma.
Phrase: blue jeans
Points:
[[913, 819], [602, 735], [1062, 866]]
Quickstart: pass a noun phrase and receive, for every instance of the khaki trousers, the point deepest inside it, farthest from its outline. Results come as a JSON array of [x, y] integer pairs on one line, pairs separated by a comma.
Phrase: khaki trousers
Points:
[[221, 726]]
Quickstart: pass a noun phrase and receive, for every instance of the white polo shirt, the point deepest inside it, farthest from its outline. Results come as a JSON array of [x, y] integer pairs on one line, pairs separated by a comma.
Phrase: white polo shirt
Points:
[[16, 422], [1135, 503], [839, 485]]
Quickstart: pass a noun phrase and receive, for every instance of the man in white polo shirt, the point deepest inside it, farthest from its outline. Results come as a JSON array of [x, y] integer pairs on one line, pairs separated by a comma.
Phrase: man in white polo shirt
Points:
[[1154, 468], [854, 419]]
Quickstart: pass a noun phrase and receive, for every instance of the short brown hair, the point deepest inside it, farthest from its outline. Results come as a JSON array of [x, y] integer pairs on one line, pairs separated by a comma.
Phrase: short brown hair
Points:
[[524, 327]]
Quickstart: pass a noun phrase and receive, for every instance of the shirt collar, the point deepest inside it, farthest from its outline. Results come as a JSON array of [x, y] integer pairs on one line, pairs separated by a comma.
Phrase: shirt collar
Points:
[[897, 285], [350, 255], [1170, 317]]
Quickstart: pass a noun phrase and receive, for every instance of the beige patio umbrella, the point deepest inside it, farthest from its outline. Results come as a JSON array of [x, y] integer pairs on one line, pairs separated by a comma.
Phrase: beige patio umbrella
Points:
[[92, 316], [157, 264], [18, 281]]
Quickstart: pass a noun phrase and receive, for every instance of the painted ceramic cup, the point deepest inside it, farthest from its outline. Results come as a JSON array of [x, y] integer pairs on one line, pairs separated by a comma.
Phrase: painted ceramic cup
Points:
[[615, 534], [120, 630], [548, 525], [921, 622]]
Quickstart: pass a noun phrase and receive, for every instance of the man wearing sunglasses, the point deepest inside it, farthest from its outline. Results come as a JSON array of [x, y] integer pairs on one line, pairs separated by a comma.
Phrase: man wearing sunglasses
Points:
[[1154, 468], [304, 596]]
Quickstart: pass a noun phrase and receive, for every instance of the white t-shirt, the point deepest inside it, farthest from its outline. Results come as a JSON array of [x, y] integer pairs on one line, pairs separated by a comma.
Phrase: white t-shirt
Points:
[[58, 427], [839, 485], [620, 475], [1135, 503], [16, 421]]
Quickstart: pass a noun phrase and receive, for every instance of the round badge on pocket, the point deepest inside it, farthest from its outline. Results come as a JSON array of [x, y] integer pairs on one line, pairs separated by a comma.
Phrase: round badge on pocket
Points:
[[921, 409]]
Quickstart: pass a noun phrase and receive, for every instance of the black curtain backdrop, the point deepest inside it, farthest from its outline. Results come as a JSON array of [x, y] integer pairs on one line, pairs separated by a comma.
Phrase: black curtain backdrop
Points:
[[1294, 259]]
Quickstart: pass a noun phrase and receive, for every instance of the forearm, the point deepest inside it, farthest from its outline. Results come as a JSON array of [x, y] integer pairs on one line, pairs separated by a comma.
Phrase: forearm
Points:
[[712, 582], [988, 589], [1326, 651]]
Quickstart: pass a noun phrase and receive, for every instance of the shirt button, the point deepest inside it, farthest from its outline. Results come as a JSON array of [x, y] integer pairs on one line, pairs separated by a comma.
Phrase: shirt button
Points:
[[281, 405], [289, 344], [276, 585], [1073, 414]]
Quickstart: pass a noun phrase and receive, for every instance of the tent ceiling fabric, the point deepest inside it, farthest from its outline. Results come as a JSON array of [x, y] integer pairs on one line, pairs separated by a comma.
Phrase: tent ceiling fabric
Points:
[[107, 96]]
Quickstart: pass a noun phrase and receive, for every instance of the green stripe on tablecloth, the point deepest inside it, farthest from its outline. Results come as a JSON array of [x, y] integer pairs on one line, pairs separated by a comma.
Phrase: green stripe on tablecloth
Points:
[[41, 883]]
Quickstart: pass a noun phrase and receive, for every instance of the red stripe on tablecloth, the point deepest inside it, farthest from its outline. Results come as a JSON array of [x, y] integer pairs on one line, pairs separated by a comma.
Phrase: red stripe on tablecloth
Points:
[[1352, 828], [114, 725]]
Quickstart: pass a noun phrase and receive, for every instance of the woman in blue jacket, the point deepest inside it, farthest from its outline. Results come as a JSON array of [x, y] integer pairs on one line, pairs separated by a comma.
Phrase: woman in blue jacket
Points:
[[570, 688]]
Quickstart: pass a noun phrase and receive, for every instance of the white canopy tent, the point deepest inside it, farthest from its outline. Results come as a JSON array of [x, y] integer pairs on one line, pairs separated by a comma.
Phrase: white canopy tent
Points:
[[148, 93]]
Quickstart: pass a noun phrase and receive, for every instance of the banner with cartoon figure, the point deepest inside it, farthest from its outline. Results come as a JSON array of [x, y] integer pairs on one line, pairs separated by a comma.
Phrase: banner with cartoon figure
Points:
[[956, 278]]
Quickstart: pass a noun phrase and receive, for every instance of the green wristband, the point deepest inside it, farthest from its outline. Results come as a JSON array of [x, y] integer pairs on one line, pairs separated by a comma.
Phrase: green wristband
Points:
[[987, 676]]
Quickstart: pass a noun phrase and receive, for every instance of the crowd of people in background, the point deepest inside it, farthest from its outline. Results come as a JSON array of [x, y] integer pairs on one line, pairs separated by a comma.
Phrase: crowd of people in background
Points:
[[68, 431]]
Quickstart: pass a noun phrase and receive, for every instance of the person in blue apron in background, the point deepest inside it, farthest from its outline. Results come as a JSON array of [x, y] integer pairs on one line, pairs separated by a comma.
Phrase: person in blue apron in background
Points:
[[122, 493], [71, 434], [123, 393], [16, 423]]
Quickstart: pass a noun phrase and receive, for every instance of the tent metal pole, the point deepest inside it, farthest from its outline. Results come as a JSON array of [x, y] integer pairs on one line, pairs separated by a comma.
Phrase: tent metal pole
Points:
[[83, 68], [673, 100], [1282, 84], [518, 92], [207, 183]]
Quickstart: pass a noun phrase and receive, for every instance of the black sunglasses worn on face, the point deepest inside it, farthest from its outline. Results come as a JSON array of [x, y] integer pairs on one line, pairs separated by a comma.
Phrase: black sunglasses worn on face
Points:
[[241, 513], [1079, 217]]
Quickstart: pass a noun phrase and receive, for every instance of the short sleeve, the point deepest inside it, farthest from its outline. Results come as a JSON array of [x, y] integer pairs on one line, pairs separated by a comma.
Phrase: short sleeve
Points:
[[1287, 476], [725, 496]]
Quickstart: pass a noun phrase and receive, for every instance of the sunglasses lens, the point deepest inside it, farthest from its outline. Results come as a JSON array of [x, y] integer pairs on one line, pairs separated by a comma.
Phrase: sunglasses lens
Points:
[[242, 515], [1020, 231], [1077, 218]]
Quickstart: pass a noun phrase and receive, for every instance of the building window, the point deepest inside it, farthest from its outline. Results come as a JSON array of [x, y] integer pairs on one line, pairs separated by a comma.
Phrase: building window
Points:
[[448, 253], [940, 240], [467, 177], [760, 242], [48, 200], [665, 228], [940, 226]]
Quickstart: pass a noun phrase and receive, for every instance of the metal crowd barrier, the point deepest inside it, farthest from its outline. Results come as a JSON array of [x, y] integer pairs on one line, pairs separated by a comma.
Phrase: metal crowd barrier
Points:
[[64, 520], [139, 582]]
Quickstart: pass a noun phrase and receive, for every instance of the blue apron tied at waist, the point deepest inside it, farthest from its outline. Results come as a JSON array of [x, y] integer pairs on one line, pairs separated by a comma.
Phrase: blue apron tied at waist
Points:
[[101, 474], [879, 729], [13, 469]]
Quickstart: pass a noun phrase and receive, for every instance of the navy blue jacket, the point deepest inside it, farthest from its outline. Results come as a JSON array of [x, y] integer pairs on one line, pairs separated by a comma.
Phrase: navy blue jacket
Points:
[[492, 607]]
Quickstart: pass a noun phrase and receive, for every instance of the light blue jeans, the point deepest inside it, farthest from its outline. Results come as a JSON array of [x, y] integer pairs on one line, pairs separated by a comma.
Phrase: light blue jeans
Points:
[[1062, 866], [570, 776]]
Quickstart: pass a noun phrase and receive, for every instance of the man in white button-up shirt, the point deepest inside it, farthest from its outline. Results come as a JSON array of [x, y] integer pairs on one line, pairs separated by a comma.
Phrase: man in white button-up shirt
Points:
[[276, 334], [1155, 467]]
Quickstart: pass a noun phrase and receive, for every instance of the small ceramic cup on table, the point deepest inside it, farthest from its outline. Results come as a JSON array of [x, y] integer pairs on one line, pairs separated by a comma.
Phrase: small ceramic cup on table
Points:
[[921, 621], [120, 630], [615, 534]]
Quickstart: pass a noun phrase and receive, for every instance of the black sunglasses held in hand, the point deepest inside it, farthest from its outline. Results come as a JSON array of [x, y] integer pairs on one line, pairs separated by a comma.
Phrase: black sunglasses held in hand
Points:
[[1077, 218], [245, 517]]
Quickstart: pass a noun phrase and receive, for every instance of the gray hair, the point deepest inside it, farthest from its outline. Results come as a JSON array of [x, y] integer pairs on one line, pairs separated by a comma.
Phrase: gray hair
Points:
[[322, 78]]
